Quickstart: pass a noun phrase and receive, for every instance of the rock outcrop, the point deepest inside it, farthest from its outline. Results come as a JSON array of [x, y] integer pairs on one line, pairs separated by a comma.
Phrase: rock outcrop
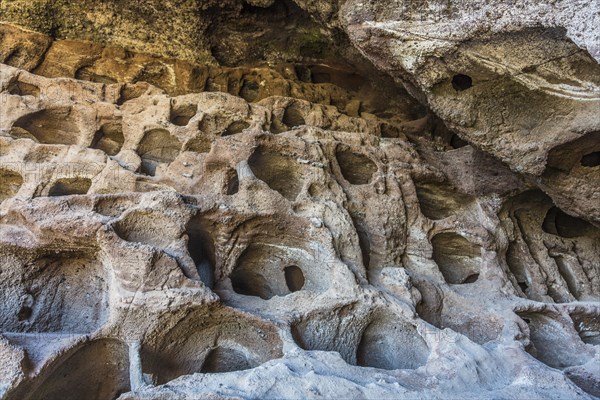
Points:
[[250, 209]]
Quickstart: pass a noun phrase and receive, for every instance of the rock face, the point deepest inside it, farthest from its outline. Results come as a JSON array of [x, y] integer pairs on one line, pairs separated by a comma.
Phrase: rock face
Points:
[[285, 221], [519, 81]]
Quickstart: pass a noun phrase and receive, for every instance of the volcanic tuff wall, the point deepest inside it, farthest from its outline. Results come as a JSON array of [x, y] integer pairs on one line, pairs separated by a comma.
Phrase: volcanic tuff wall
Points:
[[229, 200]]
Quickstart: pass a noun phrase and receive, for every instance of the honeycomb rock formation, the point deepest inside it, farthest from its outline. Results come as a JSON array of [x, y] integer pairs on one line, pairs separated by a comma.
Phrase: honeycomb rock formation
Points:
[[184, 216]]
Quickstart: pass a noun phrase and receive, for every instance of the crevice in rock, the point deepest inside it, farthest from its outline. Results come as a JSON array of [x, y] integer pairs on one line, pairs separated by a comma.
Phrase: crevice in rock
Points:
[[363, 241], [233, 182], [568, 276], [431, 304], [516, 267], [201, 247], [456, 142]]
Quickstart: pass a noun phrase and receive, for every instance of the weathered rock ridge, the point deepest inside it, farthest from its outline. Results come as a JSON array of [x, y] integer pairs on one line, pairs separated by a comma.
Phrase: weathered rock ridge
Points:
[[228, 200]]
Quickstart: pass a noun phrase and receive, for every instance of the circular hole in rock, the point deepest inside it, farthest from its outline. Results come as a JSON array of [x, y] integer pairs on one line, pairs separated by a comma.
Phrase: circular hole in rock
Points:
[[280, 173], [249, 91], [182, 113], [461, 82], [294, 278], [275, 268], [356, 168], [292, 116]]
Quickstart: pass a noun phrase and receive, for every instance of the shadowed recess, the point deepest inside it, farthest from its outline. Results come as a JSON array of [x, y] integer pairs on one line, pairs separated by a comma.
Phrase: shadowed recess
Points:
[[356, 168], [281, 173], [458, 259]]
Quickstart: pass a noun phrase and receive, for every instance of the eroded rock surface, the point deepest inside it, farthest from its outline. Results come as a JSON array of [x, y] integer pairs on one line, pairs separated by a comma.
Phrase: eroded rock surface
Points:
[[297, 228]]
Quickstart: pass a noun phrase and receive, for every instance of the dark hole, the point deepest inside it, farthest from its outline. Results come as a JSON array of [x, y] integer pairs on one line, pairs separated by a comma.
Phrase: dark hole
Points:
[[559, 223], [249, 91], [389, 131], [293, 117], [591, 160], [321, 77], [235, 128], [182, 113], [233, 183], [461, 82], [527, 320], [457, 142], [523, 287], [294, 278], [201, 247], [25, 313], [70, 186], [471, 278], [303, 73]]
